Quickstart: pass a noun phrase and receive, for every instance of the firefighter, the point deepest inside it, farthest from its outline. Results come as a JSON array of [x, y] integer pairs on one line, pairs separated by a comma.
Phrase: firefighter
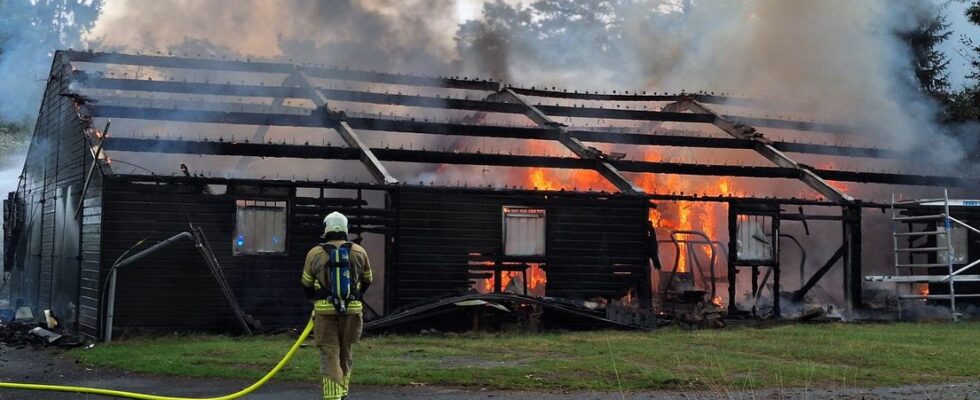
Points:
[[335, 276]]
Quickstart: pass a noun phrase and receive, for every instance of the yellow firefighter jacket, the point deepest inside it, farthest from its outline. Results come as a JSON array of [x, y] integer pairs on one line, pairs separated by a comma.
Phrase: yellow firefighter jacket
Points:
[[314, 272]]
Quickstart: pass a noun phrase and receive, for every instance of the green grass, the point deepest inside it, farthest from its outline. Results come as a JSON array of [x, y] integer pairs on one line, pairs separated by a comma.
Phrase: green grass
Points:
[[786, 356]]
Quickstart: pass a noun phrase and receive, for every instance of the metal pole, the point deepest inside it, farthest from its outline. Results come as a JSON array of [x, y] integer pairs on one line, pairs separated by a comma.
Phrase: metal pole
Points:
[[111, 300], [110, 307], [949, 254], [732, 256], [776, 312]]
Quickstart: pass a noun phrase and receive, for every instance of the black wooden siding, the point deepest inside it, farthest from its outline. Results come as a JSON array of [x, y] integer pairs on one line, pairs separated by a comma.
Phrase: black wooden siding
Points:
[[595, 246], [57, 260], [173, 289]]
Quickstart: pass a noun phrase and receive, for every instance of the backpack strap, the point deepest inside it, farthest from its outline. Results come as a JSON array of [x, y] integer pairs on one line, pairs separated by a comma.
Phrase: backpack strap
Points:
[[324, 292], [338, 262], [354, 276]]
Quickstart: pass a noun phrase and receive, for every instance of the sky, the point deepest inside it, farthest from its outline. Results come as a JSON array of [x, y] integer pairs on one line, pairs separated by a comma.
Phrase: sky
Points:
[[959, 67]]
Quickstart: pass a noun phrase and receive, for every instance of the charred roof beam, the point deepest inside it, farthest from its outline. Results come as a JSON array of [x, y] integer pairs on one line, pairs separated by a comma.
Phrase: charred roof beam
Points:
[[602, 166], [338, 123], [306, 151], [765, 147], [260, 132], [411, 100], [344, 74], [459, 129]]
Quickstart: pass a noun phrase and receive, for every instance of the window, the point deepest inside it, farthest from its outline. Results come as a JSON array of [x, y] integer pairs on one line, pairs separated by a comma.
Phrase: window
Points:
[[260, 227], [755, 245], [961, 248], [524, 230]]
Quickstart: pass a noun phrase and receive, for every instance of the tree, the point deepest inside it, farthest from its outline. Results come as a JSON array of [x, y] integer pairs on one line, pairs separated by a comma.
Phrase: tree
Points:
[[579, 38], [929, 64], [30, 30], [14, 138], [973, 13], [964, 106]]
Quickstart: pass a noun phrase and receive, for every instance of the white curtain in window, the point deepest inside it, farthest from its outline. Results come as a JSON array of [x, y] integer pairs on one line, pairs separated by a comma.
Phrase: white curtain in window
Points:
[[524, 232], [260, 227]]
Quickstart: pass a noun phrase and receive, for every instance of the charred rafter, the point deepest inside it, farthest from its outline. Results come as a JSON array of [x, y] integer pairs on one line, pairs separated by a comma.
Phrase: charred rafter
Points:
[[765, 148], [219, 89], [509, 160], [440, 128], [339, 124], [371, 77], [575, 95], [601, 164]]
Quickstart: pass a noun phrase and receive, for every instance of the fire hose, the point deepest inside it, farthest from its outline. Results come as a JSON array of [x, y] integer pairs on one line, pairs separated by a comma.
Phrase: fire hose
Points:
[[132, 395]]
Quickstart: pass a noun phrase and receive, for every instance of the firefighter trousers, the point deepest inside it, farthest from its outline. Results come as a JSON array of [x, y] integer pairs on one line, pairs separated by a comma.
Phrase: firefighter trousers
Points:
[[334, 335]]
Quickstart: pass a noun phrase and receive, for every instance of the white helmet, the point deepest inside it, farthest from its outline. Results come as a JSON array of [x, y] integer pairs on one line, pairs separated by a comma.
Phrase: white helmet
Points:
[[335, 222]]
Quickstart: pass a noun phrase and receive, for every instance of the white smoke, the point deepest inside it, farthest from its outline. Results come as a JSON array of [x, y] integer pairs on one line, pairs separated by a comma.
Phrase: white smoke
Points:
[[377, 34], [833, 60]]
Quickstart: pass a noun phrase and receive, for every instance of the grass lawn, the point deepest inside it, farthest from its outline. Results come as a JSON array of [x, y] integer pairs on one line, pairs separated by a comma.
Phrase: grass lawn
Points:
[[797, 355]]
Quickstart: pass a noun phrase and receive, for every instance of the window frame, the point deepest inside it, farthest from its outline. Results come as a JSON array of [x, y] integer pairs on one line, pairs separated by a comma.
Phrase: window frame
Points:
[[287, 204], [503, 234]]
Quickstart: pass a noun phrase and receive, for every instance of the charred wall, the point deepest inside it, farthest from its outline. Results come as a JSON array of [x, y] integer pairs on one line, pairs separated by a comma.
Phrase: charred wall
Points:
[[55, 254], [174, 289], [595, 245]]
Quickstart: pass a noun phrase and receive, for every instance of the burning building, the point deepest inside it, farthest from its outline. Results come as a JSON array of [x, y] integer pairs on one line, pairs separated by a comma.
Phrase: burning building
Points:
[[195, 208]]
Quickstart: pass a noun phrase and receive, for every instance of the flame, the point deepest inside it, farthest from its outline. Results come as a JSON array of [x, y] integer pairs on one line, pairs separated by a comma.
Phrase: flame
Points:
[[686, 215], [717, 301], [842, 186], [539, 180], [670, 216], [536, 279], [558, 179], [922, 289], [549, 179]]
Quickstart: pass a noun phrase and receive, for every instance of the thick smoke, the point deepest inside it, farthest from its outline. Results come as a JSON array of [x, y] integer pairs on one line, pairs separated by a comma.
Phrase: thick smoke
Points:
[[834, 60], [410, 36], [841, 60], [30, 31]]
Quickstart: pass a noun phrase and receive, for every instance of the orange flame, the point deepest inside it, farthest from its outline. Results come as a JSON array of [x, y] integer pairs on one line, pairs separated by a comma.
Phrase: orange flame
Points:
[[536, 279], [922, 289], [674, 216]]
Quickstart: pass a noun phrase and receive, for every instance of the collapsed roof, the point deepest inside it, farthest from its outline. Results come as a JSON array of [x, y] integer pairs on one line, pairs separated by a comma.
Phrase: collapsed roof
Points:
[[209, 107]]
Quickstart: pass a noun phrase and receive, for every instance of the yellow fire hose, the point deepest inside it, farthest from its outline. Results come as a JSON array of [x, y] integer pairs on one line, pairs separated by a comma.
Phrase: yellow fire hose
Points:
[[144, 396]]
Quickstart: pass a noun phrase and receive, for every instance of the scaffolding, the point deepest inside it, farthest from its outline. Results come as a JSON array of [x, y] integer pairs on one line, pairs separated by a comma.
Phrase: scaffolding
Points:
[[925, 253]]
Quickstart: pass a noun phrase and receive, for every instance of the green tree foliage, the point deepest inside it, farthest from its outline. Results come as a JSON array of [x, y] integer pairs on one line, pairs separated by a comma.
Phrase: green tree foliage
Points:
[[973, 13], [930, 64], [964, 106], [30, 31], [14, 138], [552, 35]]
